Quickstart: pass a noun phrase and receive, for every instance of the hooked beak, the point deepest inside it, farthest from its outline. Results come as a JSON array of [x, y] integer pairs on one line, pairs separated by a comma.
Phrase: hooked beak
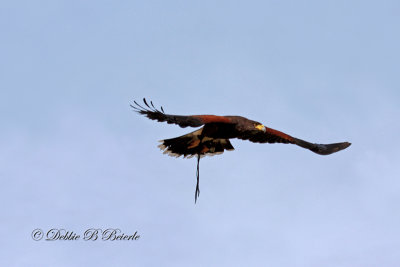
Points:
[[261, 128]]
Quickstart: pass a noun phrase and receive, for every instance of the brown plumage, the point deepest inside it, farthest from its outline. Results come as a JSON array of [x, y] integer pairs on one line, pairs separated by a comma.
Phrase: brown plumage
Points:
[[213, 137]]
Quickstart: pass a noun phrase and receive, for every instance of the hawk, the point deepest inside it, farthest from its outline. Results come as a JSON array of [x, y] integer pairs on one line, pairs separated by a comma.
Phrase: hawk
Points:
[[213, 137]]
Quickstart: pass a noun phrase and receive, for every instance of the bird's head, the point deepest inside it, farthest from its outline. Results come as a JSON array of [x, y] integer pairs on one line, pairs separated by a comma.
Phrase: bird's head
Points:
[[260, 127]]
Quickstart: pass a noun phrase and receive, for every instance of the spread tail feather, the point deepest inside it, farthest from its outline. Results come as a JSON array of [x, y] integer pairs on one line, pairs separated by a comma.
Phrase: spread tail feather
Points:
[[193, 144]]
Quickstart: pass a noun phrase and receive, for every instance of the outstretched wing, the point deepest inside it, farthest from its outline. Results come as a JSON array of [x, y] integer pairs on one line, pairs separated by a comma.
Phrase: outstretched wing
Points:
[[268, 135], [183, 121]]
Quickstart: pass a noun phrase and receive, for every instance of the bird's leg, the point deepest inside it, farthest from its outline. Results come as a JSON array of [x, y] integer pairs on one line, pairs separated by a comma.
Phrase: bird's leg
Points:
[[197, 192]]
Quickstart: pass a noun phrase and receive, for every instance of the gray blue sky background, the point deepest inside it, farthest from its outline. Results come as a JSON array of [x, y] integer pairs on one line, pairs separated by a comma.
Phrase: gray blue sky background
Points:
[[73, 154]]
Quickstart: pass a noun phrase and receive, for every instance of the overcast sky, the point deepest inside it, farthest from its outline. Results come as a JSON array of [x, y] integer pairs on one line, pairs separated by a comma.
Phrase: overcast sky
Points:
[[74, 156]]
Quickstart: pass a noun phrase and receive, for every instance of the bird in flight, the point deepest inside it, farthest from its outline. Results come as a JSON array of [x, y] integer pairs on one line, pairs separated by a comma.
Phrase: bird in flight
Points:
[[213, 137]]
